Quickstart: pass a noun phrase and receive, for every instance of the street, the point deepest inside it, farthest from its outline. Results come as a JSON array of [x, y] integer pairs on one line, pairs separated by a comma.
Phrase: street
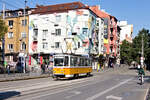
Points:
[[115, 84]]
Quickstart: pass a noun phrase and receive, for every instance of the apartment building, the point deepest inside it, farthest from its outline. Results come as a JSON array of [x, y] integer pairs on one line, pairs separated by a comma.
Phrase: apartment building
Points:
[[111, 34], [64, 28], [126, 31], [16, 39]]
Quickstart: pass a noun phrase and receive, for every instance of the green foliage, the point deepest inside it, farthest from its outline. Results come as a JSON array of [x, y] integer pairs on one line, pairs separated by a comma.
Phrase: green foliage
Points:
[[132, 52], [125, 52], [3, 28]]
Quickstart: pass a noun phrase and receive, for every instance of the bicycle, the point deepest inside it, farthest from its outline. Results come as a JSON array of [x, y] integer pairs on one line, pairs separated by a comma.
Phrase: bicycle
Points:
[[141, 74], [141, 78]]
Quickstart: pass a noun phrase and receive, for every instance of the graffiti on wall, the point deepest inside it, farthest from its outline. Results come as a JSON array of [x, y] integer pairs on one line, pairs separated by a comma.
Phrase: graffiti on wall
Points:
[[84, 33], [33, 44]]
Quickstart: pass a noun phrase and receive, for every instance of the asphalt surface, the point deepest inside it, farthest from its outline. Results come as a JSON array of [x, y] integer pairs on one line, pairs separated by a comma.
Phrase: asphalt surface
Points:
[[113, 84]]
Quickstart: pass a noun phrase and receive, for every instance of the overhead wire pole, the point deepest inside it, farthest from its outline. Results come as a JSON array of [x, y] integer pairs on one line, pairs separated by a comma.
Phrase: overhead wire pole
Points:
[[3, 38], [25, 22], [142, 55]]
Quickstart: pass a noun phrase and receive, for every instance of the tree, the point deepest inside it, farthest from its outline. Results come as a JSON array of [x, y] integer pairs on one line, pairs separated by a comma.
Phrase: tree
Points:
[[3, 28], [132, 52], [125, 52], [137, 43]]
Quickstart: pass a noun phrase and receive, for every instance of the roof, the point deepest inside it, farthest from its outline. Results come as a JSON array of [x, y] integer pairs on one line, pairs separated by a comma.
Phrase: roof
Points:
[[59, 8], [100, 13]]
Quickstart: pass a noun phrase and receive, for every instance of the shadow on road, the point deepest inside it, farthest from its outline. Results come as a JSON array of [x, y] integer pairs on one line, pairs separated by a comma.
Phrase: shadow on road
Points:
[[73, 78], [147, 79], [132, 68], [9, 94]]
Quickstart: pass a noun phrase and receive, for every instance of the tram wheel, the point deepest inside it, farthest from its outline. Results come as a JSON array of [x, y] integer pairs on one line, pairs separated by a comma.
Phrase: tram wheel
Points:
[[76, 75], [88, 74]]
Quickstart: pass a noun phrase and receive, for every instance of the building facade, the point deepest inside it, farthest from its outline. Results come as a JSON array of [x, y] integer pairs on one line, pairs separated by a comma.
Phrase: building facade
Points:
[[64, 28], [111, 35], [16, 39], [126, 31]]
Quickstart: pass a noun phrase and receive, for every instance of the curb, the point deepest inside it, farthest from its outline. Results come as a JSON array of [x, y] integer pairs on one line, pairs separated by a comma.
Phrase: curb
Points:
[[147, 95], [24, 78], [46, 76]]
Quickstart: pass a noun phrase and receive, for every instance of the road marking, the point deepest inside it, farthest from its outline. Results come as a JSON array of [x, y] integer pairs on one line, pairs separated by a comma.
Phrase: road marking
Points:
[[113, 97], [139, 90], [107, 90], [67, 89], [74, 94]]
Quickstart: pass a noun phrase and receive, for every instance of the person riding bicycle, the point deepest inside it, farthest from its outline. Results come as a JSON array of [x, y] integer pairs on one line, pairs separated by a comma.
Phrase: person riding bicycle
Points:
[[141, 74], [141, 70]]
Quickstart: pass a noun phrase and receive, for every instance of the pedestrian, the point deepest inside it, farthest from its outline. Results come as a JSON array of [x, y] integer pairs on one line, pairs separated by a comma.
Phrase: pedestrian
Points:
[[43, 67], [8, 69], [5, 66], [98, 67]]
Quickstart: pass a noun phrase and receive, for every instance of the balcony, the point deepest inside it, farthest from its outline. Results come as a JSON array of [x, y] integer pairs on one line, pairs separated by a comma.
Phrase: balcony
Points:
[[34, 38], [111, 37]]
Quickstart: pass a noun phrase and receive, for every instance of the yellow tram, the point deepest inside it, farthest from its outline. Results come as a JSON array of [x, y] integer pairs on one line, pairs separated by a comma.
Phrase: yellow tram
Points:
[[66, 65]]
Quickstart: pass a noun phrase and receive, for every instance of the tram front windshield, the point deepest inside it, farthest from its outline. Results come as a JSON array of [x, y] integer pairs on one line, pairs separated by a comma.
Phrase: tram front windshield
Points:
[[61, 61], [58, 61]]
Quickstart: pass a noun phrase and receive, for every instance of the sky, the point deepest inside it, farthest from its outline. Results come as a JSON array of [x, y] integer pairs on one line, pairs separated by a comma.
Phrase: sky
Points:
[[136, 12]]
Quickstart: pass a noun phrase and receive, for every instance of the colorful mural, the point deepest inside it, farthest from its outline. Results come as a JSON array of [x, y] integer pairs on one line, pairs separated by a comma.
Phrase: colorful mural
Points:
[[83, 36], [69, 46], [33, 44]]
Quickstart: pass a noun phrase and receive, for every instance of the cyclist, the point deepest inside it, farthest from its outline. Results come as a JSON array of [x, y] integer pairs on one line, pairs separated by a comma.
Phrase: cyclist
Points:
[[140, 70], [141, 73]]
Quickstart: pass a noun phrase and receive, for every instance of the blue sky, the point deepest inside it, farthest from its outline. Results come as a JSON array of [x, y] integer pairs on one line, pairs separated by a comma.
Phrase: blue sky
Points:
[[136, 12]]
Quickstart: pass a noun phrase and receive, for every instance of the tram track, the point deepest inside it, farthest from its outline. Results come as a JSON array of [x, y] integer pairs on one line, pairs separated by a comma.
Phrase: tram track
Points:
[[67, 85]]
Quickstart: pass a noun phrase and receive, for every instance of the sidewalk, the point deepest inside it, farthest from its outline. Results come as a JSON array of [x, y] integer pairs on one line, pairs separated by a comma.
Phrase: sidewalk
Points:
[[26, 76], [21, 76]]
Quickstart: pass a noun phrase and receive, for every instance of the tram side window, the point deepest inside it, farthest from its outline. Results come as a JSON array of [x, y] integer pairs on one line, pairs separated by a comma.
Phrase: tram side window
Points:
[[81, 61], [86, 62], [78, 62], [58, 61], [66, 63], [73, 61], [90, 62]]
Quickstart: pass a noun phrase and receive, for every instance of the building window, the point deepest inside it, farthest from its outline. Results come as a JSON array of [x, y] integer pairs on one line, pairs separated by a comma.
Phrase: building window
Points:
[[85, 14], [10, 22], [84, 30], [74, 33], [23, 34], [45, 32], [58, 18], [23, 46], [10, 46], [45, 45], [35, 32], [24, 23], [78, 44], [10, 35], [58, 31], [57, 44]]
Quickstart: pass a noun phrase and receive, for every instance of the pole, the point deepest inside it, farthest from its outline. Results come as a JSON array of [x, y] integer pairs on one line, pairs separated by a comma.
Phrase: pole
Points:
[[3, 38], [24, 61], [142, 55], [3, 10]]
